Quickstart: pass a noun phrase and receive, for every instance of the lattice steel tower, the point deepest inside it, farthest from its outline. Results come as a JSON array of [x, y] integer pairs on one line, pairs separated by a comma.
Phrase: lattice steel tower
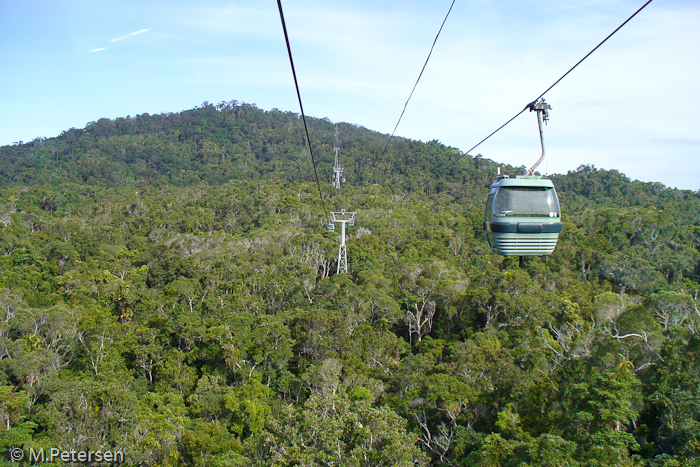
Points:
[[337, 177], [342, 218]]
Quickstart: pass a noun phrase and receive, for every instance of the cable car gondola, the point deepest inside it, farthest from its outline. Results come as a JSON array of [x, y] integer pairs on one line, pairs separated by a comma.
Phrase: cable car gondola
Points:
[[523, 217]]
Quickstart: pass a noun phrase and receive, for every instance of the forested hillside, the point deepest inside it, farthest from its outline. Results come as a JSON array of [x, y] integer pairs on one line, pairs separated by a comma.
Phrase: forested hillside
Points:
[[168, 290]]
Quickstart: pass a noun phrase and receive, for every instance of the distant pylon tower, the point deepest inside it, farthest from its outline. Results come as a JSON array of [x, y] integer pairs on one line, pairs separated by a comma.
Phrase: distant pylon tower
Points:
[[342, 218], [337, 177]]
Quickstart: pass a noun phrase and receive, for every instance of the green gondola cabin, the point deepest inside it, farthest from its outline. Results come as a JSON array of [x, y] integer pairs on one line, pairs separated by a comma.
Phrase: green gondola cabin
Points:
[[522, 216]]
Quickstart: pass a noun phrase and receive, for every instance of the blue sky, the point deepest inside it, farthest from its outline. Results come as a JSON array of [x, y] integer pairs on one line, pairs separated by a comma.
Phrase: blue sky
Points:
[[632, 106]]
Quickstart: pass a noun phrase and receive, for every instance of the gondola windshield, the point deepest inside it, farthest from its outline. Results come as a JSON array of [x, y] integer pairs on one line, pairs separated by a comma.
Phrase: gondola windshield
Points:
[[526, 201]]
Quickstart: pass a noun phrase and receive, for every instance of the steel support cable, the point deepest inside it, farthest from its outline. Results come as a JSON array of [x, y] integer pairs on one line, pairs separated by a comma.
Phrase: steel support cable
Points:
[[301, 106], [440, 171], [463, 155], [594, 49], [386, 146]]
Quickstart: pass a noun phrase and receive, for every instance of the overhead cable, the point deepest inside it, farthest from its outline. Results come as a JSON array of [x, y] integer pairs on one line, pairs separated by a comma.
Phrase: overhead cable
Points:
[[528, 106], [301, 106], [386, 146]]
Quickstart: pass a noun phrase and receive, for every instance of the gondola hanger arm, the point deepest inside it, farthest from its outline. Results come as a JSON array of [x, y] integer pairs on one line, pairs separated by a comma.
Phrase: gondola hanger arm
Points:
[[542, 108]]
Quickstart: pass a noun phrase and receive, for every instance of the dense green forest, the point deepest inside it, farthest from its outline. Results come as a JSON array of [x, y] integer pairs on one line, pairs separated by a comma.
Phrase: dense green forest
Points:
[[168, 290]]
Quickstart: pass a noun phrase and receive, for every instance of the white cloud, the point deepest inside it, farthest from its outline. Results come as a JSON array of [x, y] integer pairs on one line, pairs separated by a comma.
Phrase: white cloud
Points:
[[140, 31]]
